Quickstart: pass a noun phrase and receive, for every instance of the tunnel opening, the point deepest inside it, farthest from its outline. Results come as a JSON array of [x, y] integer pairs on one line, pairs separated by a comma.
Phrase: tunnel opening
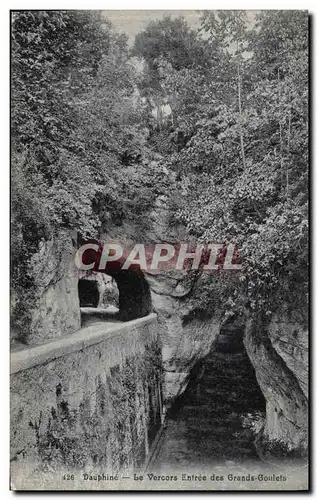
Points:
[[118, 295], [134, 293], [216, 419], [88, 293], [98, 290], [98, 298]]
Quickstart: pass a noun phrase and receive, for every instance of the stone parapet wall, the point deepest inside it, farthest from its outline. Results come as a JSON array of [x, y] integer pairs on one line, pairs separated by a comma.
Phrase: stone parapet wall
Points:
[[90, 402]]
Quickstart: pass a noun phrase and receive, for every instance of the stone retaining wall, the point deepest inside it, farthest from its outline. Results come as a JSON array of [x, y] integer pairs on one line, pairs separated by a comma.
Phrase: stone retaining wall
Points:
[[90, 402]]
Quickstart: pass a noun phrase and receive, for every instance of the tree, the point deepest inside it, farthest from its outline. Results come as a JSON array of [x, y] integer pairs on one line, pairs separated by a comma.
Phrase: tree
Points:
[[260, 202], [83, 139], [77, 129]]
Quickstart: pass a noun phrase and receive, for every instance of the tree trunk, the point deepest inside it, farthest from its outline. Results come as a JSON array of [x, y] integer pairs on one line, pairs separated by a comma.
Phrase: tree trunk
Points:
[[240, 113], [280, 137], [288, 151]]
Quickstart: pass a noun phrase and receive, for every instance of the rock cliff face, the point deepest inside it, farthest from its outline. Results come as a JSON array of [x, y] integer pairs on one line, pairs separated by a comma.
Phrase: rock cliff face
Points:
[[278, 353], [186, 338], [56, 310], [289, 336], [186, 335]]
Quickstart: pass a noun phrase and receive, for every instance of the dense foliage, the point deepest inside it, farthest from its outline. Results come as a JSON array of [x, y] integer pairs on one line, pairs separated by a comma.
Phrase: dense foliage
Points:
[[244, 160], [84, 138], [77, 129]]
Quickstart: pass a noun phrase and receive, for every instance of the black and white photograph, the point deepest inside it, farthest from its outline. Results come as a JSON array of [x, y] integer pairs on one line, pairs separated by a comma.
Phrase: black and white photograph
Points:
[[159, 255]]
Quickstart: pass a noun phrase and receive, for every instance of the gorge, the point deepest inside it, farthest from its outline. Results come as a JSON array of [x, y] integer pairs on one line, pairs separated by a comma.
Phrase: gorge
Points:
[[209, 371], [192, 130]]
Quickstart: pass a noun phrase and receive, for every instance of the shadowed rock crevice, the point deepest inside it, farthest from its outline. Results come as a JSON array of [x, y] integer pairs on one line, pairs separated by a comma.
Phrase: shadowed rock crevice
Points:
[[212, 421]]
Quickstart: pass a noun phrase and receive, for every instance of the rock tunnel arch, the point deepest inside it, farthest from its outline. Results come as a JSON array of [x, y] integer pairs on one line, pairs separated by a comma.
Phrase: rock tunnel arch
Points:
[[134, 299]]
